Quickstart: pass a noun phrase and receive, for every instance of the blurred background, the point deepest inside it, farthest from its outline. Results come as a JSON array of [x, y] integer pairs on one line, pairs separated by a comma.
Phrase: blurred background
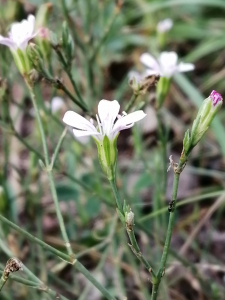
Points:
[[109, 37]]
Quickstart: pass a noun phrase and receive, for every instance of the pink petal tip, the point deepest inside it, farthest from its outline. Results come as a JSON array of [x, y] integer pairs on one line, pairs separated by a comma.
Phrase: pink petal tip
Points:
[[216, 97]]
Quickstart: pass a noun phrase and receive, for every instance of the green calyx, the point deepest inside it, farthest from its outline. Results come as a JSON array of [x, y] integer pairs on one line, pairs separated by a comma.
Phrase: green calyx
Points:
[[107, 155], [162, 90], [21, 61]]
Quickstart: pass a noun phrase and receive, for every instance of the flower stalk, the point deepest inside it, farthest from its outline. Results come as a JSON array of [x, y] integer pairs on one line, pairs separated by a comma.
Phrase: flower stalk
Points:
[[206, 113], [159, 275], [127, 218]]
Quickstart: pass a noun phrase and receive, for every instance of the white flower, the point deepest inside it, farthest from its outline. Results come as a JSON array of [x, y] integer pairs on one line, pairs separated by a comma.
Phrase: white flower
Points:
[[164, 25], [20, 34], [108, 111], [166, 65]]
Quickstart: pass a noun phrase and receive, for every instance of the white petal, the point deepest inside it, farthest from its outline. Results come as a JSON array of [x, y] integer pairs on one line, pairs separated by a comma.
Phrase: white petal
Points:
[[16, 33], [168, 58], [183, 67], [7, 42], [168, 63], [23, 45], [107, 111], [150, 62], [82, 139], [75, 120], [127, 121], [31, 23], [22, 32], [164, 25], [149, 72], [79, 133]]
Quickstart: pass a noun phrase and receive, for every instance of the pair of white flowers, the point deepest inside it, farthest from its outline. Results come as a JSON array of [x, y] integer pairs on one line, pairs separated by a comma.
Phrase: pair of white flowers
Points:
[[19, 36], [21, 32]]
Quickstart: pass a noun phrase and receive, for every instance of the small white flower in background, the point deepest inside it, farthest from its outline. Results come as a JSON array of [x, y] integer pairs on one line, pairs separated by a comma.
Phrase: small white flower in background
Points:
[[164, 25], [106, 132], [20, 34], [108, 111], [56, 104], [166, 65]]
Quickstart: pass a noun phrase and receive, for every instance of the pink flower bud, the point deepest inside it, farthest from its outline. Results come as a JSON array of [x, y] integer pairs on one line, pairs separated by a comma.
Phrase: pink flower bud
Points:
[[216, 97]]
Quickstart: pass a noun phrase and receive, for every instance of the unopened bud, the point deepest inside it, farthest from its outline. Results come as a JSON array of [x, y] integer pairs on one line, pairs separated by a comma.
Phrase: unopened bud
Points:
[[164, 25], [162, 28], [36, 58], [205, 116], [142, 83], [53, 39], [129, 218], [43, 36], [67, 43]]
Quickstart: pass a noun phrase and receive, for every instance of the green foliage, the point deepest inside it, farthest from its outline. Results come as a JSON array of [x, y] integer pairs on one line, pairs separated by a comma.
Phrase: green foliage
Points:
[[92, 45]]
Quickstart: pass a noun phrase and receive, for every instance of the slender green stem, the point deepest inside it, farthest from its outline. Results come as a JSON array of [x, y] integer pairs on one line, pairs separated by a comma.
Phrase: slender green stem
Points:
[[161, 270], [134, 245], [116, 195], [2, 281], [67, 69], [131, 102], [61, 86], [39, 155], [75, 86], [92, 279], [154, 291], [163, 168], [58, 213], [40, 125], [55, 154], [170, 225], [136, 250], [27, 145]]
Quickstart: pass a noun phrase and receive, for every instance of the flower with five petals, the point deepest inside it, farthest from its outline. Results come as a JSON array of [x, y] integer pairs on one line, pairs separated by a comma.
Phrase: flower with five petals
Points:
[[107, 131], [166, 65]]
